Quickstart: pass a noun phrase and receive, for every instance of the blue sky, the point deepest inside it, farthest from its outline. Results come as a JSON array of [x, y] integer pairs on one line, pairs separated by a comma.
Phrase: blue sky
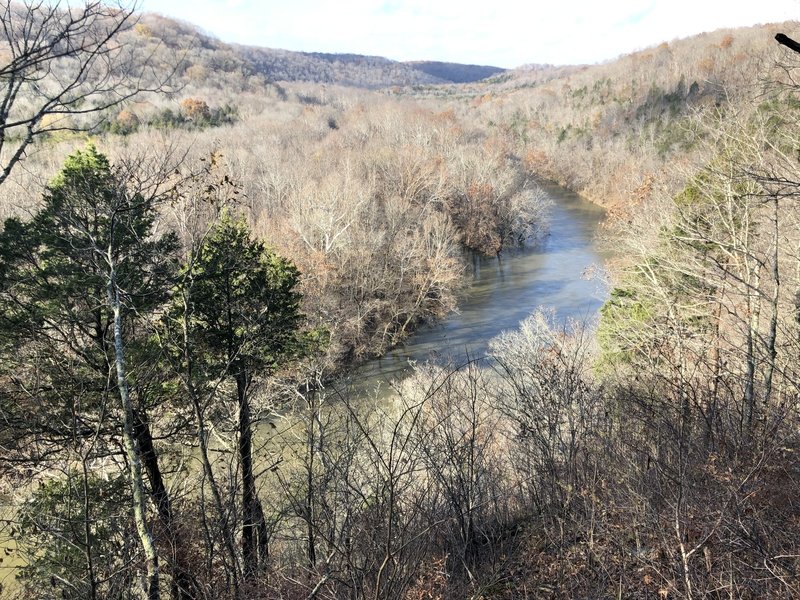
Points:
[[505, 33]]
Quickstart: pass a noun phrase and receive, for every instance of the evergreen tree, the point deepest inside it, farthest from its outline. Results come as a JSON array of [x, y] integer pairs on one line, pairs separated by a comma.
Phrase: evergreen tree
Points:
[[76, 280], [243, 309]]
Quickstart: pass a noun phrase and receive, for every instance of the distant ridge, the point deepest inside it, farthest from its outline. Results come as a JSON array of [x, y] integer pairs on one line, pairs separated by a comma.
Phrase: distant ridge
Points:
[[275, 65], [455, 72]]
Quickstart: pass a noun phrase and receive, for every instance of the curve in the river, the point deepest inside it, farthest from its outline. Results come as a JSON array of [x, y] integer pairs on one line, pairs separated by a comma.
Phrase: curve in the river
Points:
[[554, 273]]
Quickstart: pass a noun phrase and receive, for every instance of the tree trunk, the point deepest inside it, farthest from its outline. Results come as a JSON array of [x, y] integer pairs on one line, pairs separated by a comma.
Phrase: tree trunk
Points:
[[132, 450], [311, 545], [254, 534], [223, 515], [183, 586], [772, 336], [87, 530], [754, 314]]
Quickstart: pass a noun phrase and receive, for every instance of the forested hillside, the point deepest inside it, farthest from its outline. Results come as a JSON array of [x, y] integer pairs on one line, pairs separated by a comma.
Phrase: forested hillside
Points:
[[200, 241], [211, 58], [455, 73], [611, 131]]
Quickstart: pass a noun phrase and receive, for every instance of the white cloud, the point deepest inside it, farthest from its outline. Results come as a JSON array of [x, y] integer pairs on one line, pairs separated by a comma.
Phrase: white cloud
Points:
[[501, 32]]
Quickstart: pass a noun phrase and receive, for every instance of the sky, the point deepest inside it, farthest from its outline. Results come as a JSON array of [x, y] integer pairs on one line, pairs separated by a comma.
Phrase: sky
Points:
[[503, 33]]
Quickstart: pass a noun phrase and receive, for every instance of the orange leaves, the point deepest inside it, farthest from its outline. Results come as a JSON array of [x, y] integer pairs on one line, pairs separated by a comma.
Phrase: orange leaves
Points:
[[127, 120], [196, 109], [535, 161], [706, 65], [643, 191]]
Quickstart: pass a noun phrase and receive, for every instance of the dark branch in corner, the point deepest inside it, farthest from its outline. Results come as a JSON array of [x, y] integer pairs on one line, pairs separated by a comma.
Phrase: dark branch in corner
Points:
[[788, 42]]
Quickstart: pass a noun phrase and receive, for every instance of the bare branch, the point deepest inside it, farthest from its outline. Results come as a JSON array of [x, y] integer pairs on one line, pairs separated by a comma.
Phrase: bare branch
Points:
[[63, 68]]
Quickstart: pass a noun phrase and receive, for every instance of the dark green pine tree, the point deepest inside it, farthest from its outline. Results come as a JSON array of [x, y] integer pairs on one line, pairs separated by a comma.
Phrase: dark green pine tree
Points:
[[244, 312]]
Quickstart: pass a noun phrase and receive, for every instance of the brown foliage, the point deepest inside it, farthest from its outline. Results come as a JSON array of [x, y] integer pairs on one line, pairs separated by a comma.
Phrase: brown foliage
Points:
[[530, 478], [127, 121], [196, 109]]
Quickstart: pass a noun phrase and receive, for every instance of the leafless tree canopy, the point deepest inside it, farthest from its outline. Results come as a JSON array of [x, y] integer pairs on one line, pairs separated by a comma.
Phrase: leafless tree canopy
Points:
[[62, 66]]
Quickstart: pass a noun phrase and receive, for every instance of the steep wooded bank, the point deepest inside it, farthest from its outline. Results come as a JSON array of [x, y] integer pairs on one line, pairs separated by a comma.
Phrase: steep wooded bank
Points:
[[615, 132], [372, 198]]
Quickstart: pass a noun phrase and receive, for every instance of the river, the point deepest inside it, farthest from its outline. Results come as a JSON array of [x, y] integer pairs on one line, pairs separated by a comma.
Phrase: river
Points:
[[554, 273]]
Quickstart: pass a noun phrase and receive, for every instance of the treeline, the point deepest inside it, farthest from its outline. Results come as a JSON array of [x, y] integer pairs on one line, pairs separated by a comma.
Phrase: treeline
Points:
[[193, 113], [455, 72], [233, 66]]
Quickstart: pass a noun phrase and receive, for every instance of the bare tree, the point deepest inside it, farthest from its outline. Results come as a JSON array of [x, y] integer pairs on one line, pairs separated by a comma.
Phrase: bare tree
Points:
[[61, 68]]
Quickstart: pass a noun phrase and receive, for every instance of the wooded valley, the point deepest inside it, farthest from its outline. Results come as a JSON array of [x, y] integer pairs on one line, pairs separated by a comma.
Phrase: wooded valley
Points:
[[201, 241]]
